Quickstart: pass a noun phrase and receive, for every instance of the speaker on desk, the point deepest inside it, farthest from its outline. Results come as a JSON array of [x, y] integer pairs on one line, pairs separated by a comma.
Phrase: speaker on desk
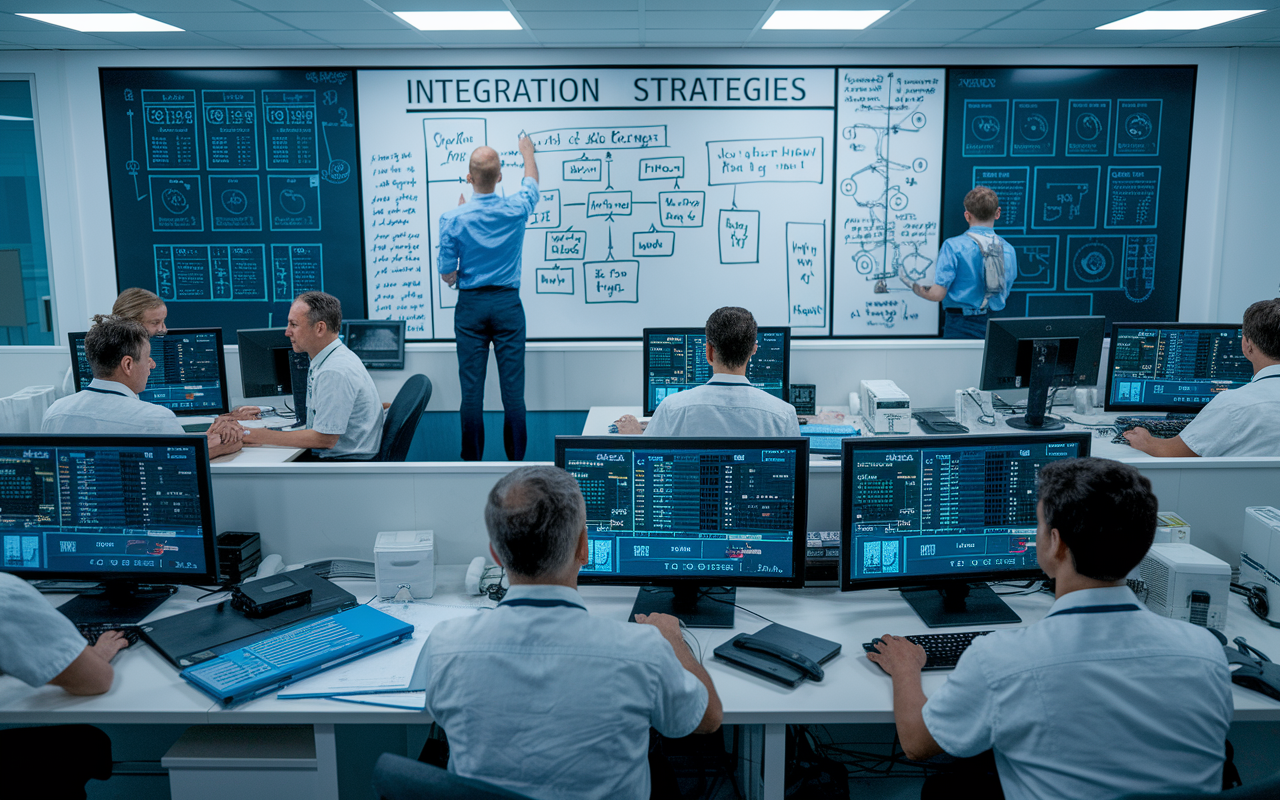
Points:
[[299, 366]]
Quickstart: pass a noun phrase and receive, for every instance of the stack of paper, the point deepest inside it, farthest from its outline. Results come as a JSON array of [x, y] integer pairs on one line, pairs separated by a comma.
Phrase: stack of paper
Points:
[[394, 677]]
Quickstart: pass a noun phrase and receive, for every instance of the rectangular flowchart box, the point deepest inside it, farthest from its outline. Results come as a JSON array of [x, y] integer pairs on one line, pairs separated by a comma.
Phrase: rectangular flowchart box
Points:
[[739, 234], [656, 169], [681, 209], [554, 280], [566, 246], [653, 243], [169, 128], [609, 204], [600, 137], [582, 169], [612, 281], [796, 160], [175, 203], [449, 143], [807, 274], [547, 213]]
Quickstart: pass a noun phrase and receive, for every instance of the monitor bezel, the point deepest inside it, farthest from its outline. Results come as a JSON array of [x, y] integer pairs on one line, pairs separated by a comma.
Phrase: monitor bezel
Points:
[[402, 328], [1080, 377], [201, 444], [644, 345], [73, 336], [1111, 361], [850, 584], [244, 388], [801, 516]]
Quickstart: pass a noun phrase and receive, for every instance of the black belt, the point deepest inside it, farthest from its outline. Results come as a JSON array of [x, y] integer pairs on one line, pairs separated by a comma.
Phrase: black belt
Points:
[[956, 310], [491, 289]]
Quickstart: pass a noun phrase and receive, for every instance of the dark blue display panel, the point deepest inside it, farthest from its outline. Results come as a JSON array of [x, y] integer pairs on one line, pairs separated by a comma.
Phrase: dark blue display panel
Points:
[[1091, 168], [231, 190]]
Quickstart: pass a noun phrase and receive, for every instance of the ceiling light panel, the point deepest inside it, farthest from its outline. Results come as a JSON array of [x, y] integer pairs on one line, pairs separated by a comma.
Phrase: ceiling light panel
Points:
[[1176, 20], [460, 20], [105, 23], [830, 20]]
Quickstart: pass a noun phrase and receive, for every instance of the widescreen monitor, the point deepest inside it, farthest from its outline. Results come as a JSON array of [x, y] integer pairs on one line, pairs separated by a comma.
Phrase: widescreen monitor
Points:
[[1173, 367], [190, 377], [127, 511], [675, 359], [270, 368], [378, 342], [692, 515], [934, 515], [1039, 354]]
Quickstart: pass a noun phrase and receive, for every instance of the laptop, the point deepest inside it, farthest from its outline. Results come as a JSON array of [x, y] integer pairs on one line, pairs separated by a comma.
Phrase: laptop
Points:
[[292, 654]]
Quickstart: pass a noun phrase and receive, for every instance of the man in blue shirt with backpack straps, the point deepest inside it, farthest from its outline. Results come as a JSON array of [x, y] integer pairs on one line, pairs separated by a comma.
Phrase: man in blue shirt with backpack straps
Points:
[[975, 270]]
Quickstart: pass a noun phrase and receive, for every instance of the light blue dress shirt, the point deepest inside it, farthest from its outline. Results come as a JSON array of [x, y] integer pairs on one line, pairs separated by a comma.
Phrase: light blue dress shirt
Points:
[[36, 641], [108, 407], [343, 399], [1240, 421], [542, 698], [1093, 701], [484, 239], [960, 270], [726, 405]]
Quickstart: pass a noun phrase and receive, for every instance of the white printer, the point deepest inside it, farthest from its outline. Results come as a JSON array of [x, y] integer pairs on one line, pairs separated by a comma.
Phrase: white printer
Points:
[[885, 407], [1184, 582], [1260, 554], [405, 559]]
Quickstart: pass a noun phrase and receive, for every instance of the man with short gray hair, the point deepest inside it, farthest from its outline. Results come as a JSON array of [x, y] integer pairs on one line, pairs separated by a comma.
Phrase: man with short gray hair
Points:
[[540, 697]]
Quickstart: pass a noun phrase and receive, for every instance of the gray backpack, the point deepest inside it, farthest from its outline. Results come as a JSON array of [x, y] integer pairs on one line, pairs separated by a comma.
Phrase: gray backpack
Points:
[[992, 249]]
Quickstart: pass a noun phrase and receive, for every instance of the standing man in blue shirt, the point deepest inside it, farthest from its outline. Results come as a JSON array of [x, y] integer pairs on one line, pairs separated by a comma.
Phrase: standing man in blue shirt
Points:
[[975, 270], [481, 243]]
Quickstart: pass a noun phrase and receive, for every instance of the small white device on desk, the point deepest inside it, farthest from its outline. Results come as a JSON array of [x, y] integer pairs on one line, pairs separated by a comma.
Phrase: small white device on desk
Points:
[[1170, 527], [885, 407], [1186, 583], [1260, 554], [405, 560]]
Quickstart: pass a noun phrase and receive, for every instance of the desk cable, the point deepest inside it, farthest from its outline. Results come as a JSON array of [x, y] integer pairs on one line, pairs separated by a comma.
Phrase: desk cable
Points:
[[1255, 597]]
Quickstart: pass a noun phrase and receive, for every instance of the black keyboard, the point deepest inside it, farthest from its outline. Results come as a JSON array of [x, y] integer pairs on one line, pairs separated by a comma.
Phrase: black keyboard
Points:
[[1160, 428], [92, 630], [943, 649]]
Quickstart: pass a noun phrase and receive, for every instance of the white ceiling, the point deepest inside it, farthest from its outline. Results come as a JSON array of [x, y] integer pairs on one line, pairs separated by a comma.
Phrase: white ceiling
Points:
[[317, 24]]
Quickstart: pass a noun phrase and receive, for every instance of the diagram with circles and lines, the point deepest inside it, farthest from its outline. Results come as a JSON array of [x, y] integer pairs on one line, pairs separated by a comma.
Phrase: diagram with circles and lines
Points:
[[1093, 263]]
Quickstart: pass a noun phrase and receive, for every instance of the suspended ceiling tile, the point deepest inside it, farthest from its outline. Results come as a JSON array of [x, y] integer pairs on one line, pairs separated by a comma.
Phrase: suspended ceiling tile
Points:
[[839, 5], [246, 21], [1060, 20], [1227, 36], [937, 20], [1013, 38], [312, 5], [1114, 38], [54, 37], [566, 20], [59, 6], [975, 5], [383, 38], [443, 5], [922, 36], [288, 38], [522, 6], [700, 20], [578, 37], [480, 38], [149, 6], [1130, 7], [162, 41], [12, 22], [718, 37], [1210, 5], [802, 38], [339, 21]]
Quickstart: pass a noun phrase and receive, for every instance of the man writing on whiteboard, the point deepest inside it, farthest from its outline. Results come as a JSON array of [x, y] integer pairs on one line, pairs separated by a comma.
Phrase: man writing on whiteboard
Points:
[[481, 243], [975, 270]]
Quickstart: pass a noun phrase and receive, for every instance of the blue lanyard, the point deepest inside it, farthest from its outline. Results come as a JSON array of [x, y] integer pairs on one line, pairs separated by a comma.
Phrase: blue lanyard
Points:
[[105, 391], [726, 383], [1097, 609], [542, 603]]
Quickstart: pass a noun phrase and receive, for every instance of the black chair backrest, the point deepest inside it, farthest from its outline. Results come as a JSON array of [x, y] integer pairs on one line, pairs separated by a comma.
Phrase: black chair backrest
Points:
[[399, 778], [402, 418], [1265, 789]]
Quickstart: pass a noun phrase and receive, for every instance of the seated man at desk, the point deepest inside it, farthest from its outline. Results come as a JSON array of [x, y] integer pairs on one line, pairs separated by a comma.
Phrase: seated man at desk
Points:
[[344, 414], [39, 646], [1242, 421], [119, 353], [1102, 697], [542, 698], [726, 405]]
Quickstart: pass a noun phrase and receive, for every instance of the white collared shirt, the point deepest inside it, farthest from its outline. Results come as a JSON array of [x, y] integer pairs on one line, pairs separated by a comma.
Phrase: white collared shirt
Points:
[[542, 698], [108, 407], [342, 399], [1100, 699], [726, 405], [36, 641], [1241, 421]]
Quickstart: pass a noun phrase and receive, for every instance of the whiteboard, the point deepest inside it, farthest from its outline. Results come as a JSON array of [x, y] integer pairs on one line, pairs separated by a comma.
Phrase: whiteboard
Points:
[[889, 181], [665, 193]]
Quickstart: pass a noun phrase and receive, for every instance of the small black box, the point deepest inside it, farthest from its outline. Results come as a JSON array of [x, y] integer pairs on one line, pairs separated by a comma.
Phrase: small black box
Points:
[[804, 396], [238, 552], [268, 596]]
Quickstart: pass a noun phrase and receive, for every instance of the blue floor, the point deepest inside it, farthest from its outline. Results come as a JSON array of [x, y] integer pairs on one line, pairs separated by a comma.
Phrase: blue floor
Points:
[[439, 435]]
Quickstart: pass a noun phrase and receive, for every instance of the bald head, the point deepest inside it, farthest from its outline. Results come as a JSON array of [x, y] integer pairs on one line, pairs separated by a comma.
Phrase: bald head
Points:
[[485, 169]]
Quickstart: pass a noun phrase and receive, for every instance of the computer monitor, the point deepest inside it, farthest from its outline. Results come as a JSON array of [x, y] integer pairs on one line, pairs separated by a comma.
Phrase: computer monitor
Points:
[[688, 514], [1037, 354], [270, 368], [190, 377], [127, 511], [934, 515], [1173, 367], [675, 359], [378, 342]]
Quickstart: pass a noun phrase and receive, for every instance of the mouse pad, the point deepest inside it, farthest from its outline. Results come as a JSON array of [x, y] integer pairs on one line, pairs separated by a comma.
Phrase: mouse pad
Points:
[[818, 649], [198, 635]]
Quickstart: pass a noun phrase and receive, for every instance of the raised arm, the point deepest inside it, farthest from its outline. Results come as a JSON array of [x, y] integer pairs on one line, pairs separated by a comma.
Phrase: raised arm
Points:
[[530, 165]]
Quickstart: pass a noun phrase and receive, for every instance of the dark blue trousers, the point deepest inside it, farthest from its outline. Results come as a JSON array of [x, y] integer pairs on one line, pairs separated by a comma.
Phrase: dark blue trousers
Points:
[[485, 316], [958, 326]]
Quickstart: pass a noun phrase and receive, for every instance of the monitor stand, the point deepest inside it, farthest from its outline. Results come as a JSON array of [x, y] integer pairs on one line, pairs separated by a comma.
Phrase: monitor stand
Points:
[[957, 603], [1044, 366], [117, 603], [688, 603]]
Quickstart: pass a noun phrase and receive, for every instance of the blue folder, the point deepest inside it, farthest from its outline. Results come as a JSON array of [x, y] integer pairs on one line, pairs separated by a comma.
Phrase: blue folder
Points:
[[291, 654]]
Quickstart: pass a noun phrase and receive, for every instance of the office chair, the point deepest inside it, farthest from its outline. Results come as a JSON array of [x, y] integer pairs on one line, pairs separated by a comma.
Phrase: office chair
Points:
[[399, 778], [1264, 789], [402, 418]]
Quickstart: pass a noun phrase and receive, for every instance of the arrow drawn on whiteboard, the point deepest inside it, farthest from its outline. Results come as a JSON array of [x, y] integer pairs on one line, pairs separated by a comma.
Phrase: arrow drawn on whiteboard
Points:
[[677, 186], [735, 196], [448, 180], [608, 167], [609, 257], [132, 166]]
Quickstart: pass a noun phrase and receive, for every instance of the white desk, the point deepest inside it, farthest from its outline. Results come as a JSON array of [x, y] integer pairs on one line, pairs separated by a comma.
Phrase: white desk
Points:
[[148, 690]]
